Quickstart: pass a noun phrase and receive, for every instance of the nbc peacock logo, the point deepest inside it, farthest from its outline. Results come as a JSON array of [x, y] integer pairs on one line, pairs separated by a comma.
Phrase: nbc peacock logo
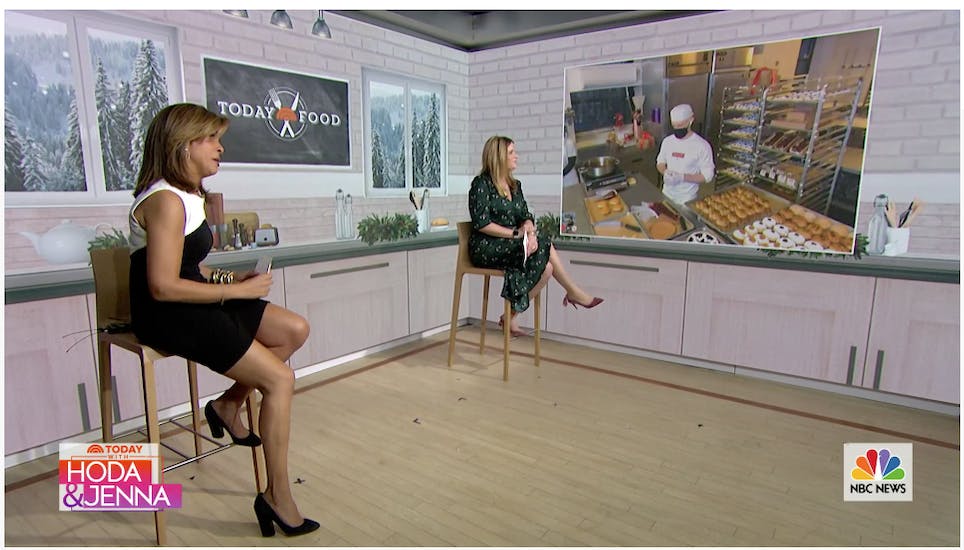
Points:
[[878, 471], [877, 466]]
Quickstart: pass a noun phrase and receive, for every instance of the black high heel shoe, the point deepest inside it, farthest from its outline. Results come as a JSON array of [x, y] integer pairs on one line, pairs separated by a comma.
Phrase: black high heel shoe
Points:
[[267, 517], [575, 305], [218, 427]]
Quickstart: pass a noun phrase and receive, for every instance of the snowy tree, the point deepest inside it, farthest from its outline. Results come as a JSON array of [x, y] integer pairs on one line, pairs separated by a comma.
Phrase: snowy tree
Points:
[[12, 154], [108, 124], [73, 159], [127, 172], [378, 162], [398, 179], [432, 135], [418, 152], [148, 96], [34, 167]]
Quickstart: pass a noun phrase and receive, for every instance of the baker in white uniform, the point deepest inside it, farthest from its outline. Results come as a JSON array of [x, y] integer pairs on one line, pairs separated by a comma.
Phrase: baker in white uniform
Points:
[[685, 159]]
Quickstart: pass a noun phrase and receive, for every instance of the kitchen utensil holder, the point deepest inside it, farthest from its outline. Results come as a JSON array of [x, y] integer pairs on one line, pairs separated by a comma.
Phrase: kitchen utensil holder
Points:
[[898, 238], [421, 217]]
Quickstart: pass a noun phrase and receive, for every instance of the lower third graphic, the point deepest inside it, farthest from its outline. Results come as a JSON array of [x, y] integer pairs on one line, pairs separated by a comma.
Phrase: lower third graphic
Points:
[[101, 477]]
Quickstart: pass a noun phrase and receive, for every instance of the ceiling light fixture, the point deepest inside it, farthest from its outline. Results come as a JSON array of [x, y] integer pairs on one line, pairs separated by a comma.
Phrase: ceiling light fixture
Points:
[[280, 19], [237, 13], [320, 28]]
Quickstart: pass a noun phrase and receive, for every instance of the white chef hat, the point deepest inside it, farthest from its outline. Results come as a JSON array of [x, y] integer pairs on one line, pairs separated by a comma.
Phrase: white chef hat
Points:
[[680, 113]]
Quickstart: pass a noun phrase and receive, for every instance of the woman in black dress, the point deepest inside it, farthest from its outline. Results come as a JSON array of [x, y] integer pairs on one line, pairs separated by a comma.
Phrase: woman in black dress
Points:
[[227, 327], [504, 234]]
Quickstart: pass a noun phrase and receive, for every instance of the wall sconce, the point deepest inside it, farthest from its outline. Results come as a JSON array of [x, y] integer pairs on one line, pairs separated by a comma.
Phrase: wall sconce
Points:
[[237, 13], [320, 28], [280, 19]]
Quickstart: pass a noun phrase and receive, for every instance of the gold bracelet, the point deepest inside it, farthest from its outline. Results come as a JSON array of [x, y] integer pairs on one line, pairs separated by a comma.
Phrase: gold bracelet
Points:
[[222, 277], [222, 296]]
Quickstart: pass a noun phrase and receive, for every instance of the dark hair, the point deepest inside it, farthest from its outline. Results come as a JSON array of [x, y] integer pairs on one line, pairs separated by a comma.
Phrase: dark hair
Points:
[[165, 145]]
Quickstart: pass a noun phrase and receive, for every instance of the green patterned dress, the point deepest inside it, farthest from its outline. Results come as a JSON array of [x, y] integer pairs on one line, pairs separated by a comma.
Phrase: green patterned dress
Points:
[[487, 206]]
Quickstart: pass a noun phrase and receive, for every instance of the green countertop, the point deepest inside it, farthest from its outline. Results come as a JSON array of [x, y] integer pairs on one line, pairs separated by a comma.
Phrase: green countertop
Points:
[[26, 287]]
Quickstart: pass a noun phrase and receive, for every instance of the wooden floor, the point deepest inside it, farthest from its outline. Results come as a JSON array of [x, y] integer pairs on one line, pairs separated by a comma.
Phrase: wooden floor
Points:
[[593, 448]]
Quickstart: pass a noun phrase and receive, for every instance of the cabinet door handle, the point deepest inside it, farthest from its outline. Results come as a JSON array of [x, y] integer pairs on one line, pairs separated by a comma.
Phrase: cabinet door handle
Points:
[[851, 364], [879, 369], [115, 399], [616, 266], [84, 413], [348, 270]]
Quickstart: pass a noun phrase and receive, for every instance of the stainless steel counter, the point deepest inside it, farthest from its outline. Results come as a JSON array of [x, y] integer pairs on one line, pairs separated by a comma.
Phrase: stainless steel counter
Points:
[[640, 165]]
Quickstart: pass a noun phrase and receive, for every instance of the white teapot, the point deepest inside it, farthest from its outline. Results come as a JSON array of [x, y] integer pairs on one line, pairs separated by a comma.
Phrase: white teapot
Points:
[[65, 243]]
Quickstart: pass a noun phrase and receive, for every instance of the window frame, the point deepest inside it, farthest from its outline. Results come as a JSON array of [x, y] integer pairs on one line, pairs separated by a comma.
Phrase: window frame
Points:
[[79, 24], [407, 83]]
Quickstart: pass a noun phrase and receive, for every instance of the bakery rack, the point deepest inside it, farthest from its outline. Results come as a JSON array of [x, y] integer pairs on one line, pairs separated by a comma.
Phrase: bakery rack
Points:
[[740, 117], [805, 124]]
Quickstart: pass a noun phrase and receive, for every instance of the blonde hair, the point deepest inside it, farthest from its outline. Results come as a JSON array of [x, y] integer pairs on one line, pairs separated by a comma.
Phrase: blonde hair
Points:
[[165, 145], [495, 161]]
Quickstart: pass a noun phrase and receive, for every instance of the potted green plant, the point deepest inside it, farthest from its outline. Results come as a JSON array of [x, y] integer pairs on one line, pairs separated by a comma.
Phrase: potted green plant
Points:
[[548, 225], [390, 227], [106, 245], [115, 239]]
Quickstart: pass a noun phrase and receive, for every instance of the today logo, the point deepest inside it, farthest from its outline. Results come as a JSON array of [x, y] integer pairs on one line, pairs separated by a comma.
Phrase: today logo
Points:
[[285, 111], [878, 472], [113, 477]]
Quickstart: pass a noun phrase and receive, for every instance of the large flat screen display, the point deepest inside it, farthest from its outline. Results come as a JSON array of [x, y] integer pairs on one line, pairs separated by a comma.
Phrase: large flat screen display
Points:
[[757, 145]]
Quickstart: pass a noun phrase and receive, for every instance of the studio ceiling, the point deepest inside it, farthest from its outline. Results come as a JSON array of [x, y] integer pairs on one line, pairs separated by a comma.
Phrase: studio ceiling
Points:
[[479, 30]]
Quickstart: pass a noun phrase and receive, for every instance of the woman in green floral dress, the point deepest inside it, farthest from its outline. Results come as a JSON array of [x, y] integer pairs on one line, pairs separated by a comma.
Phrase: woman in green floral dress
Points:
[[504, 234]]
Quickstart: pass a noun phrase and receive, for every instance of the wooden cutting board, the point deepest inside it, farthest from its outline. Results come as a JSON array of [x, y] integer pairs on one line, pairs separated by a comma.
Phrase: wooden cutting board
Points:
[[249, 219], [610, 229]]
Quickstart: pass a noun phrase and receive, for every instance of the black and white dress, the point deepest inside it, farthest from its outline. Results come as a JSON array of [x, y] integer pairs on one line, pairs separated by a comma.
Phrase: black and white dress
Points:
[[214, 335]]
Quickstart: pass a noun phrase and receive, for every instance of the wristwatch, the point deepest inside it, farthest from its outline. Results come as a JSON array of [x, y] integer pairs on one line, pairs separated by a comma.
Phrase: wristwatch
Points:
[[515, 233]]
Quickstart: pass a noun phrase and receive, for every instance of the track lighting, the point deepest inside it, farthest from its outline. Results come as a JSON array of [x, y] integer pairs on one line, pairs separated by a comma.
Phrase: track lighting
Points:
[[280, 19], [320, 28]]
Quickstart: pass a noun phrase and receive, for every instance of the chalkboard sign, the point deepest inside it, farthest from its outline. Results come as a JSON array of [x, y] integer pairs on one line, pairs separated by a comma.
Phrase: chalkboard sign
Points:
[[596, 109], [279, 117]]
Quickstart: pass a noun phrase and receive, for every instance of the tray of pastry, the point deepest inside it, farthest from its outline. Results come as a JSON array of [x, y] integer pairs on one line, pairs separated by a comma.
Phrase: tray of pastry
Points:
[[797, 228], [661, 221], [735, 206], [609, 206]]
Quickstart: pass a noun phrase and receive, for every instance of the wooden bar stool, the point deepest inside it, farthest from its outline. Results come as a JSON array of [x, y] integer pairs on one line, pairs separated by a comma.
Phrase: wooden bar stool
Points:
[[111, 269], [463, 266]]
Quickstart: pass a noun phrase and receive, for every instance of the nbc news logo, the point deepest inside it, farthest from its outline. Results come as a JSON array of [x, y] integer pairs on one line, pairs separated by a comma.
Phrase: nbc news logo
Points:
[[878, 472]]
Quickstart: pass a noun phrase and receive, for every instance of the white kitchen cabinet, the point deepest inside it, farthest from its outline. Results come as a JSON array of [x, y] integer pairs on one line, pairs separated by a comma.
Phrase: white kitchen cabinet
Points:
[[643, 305], [350, 304], [915, 347], [806, 324], [50, 378], [431, 282]]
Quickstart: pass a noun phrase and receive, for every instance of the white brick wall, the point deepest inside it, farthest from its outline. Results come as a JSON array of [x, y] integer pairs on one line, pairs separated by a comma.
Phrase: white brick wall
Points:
[[518, 91], [916, 93]]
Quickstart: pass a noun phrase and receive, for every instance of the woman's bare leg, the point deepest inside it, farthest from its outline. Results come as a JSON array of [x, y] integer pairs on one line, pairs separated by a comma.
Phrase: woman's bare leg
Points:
[[281, 331], [559, 272], [260, 368]]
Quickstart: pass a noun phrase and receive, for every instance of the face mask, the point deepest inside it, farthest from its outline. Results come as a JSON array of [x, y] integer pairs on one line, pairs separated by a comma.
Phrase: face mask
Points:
[[680, 132]]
